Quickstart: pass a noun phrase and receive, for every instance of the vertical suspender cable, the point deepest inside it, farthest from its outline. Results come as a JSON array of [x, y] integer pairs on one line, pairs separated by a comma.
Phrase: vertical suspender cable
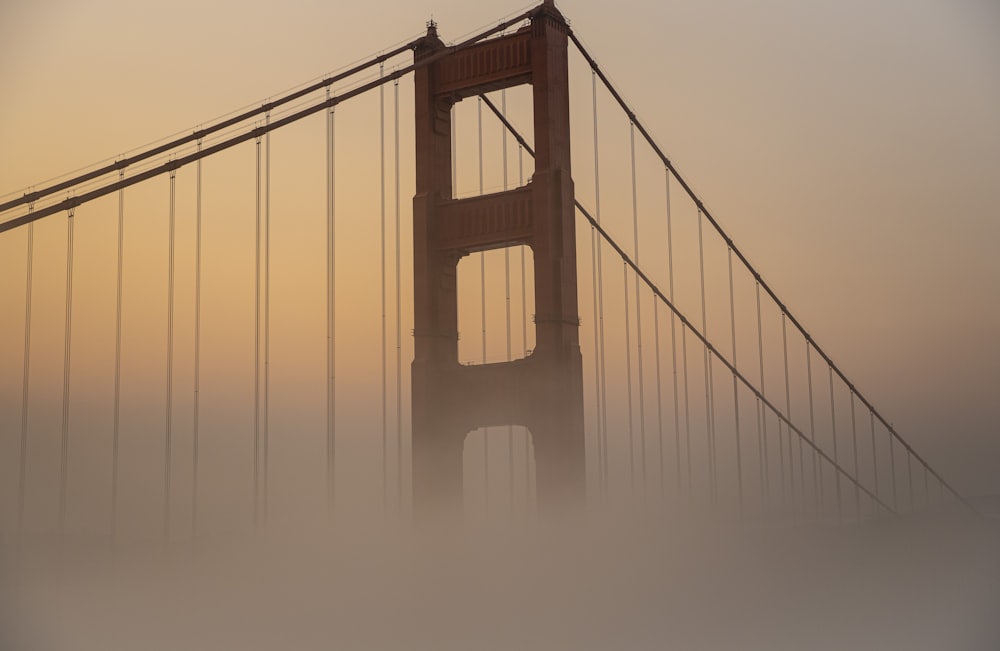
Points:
[[659, 389], [736, 397], [597, 365], [628, 383], [927, 487], [892, 467], [833, 426], [817, 479], [197, 349], [673, 337], [399, 320], [454, 152], [331, 307], [381, 150], [506, 276], [118, 362], [482, 289], [871, 420], [857, 468], [765, 471], [168, 439], [524, 334], [909, 476], [256, 350], [638, 314], [788, 413], [600, 290], [709, 416], [67, 342], [22, 468], [267, 321], [687, 412]]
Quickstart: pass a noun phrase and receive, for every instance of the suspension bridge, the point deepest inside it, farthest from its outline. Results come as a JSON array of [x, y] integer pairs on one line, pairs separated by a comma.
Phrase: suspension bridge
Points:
[[555, 320]]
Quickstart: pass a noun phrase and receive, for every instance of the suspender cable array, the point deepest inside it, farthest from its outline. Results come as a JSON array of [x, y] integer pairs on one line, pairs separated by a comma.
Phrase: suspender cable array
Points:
[[711, 350], [697, 201]]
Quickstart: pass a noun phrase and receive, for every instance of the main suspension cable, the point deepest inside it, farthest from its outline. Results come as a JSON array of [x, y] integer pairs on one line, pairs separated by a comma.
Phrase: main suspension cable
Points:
[[722, 359], [199, 134]]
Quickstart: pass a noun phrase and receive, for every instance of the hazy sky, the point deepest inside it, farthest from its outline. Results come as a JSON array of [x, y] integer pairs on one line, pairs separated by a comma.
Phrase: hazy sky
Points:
[[852, 150]]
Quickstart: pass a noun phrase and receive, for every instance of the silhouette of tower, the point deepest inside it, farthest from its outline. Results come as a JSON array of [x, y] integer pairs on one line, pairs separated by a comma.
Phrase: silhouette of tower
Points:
[[543, 391]]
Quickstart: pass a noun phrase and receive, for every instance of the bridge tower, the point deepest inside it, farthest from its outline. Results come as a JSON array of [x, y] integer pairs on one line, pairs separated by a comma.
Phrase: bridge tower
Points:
[[543, 391]]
